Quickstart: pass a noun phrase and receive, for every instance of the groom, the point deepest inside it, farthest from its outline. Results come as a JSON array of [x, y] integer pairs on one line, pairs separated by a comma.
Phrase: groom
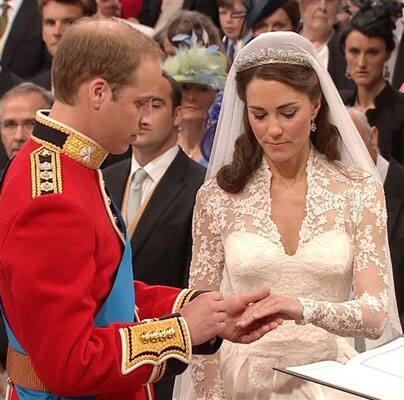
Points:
[[67, 282]]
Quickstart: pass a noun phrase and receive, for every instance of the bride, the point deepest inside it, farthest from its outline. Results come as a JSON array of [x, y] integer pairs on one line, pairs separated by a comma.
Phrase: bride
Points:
[[294, 204]]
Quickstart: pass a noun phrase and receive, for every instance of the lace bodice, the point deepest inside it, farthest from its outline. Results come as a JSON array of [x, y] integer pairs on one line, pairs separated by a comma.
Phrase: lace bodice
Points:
[[338, 272]]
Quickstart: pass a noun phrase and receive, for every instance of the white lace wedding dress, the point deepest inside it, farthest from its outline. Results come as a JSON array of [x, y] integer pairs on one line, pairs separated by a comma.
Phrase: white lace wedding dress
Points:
[[338, 273]]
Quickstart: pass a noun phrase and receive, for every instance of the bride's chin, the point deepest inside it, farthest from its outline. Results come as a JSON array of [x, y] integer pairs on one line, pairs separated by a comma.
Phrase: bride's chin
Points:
[[277, 157]]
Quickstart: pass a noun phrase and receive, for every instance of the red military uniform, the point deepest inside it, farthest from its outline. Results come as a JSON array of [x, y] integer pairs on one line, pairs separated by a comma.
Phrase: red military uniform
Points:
[[59, 251]]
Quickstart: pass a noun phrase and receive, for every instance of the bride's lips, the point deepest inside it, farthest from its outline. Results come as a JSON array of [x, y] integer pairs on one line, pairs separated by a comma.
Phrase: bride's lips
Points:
[[277, 145]]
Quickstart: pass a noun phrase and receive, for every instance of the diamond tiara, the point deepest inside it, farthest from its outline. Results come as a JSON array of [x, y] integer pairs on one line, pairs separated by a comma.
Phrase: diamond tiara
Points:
[[270, 56]]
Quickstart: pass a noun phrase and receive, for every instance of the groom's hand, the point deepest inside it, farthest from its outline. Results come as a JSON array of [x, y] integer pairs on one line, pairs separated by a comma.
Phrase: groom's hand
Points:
[[205, 316], [235, 306]]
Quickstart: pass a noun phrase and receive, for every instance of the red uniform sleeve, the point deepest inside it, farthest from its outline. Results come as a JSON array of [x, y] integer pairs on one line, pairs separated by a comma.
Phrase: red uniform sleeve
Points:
[[47, 262], [158, 301]]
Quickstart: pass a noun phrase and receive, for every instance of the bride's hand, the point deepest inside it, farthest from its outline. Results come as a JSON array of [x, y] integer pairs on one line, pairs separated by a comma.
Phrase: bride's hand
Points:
[[272, 308], [236, 305]]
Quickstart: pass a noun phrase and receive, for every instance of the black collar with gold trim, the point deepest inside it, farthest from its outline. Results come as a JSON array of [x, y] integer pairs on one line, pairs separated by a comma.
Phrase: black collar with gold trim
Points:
[[59, 137]]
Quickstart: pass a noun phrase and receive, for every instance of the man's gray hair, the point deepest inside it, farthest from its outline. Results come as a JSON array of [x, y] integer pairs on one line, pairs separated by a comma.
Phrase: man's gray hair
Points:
[[25, 88], [361, 116]]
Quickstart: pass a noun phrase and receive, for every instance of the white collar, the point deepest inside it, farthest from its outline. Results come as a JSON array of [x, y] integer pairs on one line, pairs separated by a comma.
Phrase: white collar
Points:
[[382, 166], [157, 167]]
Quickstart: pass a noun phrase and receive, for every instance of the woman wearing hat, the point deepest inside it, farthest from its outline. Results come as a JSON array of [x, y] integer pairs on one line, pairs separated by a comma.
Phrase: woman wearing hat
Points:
[[201, 71], [273, 16]]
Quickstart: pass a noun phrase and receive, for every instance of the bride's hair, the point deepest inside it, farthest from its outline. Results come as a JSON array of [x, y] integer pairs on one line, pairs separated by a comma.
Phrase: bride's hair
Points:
[[247, 155]]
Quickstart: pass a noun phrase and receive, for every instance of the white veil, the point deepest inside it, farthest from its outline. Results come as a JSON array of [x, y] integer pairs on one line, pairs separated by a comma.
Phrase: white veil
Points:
[[284, 47], [259, 51]]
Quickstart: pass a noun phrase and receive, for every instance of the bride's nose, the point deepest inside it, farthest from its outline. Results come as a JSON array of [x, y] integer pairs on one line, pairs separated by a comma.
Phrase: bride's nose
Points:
[[274, 128]]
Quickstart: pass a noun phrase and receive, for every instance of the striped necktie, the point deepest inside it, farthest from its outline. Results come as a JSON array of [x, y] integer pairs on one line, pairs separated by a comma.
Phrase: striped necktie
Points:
[[4, 18], [231, 50], [135, 193]]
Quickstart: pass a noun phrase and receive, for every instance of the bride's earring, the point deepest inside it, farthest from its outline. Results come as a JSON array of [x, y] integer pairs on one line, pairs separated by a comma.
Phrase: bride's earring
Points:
[[347, 74], [313, 126]]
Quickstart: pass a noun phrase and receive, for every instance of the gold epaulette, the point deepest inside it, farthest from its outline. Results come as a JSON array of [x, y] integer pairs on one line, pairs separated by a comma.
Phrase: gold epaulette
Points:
[[46, 172], [155, 341]]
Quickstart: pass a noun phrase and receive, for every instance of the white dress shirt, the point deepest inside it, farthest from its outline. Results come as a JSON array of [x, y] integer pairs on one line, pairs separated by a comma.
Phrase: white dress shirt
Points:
[[397, 33], [168, 9], [382, 166], [155, 170], [14, 6], [323, 54]]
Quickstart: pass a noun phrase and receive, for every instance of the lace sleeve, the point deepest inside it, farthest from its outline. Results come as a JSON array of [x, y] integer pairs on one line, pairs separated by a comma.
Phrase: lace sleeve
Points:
[[206, 274], [366, 313]]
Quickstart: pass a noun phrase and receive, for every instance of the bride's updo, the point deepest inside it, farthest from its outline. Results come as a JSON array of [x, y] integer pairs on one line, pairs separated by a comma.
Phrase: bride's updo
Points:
[[247, 156]]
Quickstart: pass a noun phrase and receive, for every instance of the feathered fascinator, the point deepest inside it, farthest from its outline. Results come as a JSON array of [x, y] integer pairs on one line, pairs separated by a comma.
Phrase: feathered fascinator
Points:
[[200, 65], [376, 18]]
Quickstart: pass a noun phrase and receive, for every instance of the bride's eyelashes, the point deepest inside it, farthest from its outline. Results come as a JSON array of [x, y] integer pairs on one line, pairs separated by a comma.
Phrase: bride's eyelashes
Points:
[[288, 114]]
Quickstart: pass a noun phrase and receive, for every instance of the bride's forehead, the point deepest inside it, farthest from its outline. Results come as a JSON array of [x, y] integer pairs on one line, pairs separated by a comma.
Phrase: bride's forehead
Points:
[[271, 88]]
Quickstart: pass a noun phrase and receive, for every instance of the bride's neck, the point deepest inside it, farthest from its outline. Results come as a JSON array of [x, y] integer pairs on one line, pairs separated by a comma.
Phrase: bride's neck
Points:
[[290, 172]]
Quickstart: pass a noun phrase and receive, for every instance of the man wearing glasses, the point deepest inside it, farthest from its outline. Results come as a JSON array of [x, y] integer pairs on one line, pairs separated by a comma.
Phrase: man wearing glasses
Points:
[[17, 115], [232, 16]]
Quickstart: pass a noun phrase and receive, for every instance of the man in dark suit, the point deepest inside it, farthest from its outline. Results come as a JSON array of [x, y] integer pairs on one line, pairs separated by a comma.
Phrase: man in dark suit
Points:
[[151, 10], [208, 7], [57, 16], [24, 52], [161, 227], [392, 176], [319, 25], [7, 81], [398, 71]]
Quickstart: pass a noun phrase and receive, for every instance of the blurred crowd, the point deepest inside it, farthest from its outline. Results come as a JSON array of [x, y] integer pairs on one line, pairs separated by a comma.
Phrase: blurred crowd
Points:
[[360, 42]]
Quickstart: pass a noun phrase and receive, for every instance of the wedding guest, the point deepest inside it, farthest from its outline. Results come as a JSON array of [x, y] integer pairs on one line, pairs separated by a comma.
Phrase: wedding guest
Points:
[[206, 7], [319, 19], [395, 64], [201, 72], [156, 13], [367, 42], [187, 28], [232, 17], [22, 50], [57, 17], [392, 176], [18, 107], [273, 16], [155, 191], [294, 203]]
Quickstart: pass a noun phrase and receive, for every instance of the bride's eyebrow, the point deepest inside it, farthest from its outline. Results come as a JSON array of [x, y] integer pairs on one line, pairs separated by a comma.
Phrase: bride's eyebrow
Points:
[[282, 106], [256, 108], [291, 104]]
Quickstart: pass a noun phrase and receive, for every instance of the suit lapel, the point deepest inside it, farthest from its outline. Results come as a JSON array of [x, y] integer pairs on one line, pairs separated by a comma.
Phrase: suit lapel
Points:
[[398, 74], [18, 31], [394, 185], [117, 182], [169, 187]]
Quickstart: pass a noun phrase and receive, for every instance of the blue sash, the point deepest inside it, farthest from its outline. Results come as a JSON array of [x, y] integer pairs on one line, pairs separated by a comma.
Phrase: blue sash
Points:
[[119, 306]]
